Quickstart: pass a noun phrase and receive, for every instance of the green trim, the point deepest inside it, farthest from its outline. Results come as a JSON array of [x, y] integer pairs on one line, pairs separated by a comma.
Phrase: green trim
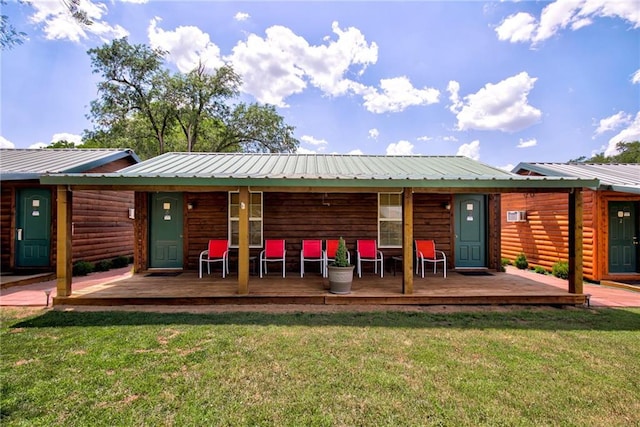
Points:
[[163, 181]]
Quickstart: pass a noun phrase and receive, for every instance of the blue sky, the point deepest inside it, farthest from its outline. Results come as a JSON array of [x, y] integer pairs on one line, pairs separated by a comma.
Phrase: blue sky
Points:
[[500, 82]]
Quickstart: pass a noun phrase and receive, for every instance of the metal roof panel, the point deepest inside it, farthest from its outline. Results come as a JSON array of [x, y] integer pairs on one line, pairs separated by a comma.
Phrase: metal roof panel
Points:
[[20, 164]]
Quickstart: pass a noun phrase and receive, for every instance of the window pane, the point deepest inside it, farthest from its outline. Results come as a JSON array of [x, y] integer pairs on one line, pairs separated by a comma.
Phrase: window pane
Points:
[[390, 233], [234, 211], [255, 235], [256, 205], [235, 234]]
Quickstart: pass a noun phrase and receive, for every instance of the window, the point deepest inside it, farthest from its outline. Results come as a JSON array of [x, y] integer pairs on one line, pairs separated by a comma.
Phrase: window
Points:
[[390, 220], [255, 219]]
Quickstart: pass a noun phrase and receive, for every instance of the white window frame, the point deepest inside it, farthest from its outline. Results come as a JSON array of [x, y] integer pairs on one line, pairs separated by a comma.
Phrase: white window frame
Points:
[[251, 219], [399, 220]]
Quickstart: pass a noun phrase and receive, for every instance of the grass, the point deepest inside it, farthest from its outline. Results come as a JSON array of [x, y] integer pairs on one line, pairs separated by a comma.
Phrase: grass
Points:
[[526, 367]]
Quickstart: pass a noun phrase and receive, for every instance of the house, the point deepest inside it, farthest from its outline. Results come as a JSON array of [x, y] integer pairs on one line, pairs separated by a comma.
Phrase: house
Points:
[[100, 226], [536, 224], [184, 199]]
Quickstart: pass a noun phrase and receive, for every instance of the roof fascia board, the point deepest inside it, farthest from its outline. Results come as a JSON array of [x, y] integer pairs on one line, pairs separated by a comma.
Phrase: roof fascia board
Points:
[[160, 181]]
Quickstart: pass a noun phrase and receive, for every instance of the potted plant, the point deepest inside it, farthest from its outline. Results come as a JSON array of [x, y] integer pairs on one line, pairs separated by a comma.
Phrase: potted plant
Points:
[[340, 271]]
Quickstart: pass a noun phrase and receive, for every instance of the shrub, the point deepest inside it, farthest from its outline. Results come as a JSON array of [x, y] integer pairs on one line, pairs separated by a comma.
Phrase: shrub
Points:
[[104, 265], [119, 262], [341, 254], [505, 262], [540, 270], [561, 269], [521, 261], [82, 268]]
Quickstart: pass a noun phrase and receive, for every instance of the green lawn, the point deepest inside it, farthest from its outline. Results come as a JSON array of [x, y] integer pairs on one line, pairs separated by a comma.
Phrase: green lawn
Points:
[[535, 367]]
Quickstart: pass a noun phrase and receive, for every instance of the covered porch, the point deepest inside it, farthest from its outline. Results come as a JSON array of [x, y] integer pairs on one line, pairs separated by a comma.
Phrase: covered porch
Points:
[[185, 288]]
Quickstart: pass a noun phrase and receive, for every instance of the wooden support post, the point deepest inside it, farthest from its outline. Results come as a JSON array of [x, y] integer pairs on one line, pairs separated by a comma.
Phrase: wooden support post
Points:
[[64, 254], [575, 241], [407, 241], [243, 243]]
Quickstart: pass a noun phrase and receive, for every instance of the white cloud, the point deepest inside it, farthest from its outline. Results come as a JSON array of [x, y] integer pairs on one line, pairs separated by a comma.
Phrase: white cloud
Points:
[[507, 168], [401, 148], [425, 138], [302, 150], [356, 152], [397, 94], [69, 137], [374, 133], [635, 79], [241, 16], [282, 63], [561, 14], [613, 122], [38, 145], [517, 28], [502, 106], [526, 144], [58, 24], [313, 141], [5, 143], [471, 150], [186, 46], [630, 134], [135, 1], [450, 139]]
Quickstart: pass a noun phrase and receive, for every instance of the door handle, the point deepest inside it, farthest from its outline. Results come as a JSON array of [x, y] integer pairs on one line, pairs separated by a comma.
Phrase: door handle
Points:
[[19, 230]]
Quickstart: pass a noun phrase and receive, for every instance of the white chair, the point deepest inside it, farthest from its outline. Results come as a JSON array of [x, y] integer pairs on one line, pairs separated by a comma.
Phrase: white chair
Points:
[[311, 252], [217, 251], [426, 252], [367, 251], [274, 251]]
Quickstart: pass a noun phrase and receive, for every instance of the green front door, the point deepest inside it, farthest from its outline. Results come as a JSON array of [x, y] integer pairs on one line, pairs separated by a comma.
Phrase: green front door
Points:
[[33, 227], [470, 229], [165, 230], [623, 237]]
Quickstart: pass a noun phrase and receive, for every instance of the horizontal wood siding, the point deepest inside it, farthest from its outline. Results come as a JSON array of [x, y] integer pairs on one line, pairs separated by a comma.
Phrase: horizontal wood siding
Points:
[[113, 166], [6, 226], [295, 217], [432, 221], [543, 238], [298, 216], [207, 220], [101, 225]]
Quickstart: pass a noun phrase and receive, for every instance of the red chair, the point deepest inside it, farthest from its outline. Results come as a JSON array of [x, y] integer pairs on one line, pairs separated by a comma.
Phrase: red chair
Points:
[[274, 251], [367, 250], [426, 252], [331, 247], [218, 251], [311, 252]]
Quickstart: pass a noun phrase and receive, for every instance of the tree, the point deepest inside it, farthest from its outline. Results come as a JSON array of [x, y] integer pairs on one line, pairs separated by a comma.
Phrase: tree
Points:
[[140, 102], [628, 152]]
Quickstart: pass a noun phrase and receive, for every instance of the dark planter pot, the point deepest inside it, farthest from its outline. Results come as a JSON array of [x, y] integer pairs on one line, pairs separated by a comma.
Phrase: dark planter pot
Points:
[[340, 279]]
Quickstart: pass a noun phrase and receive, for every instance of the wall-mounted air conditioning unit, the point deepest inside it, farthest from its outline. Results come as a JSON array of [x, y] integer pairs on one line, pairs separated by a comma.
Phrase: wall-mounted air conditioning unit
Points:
[[516, 216]]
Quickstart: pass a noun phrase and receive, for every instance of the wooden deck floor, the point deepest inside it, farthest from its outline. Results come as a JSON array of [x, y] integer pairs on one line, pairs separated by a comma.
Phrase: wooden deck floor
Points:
[[187, 289]]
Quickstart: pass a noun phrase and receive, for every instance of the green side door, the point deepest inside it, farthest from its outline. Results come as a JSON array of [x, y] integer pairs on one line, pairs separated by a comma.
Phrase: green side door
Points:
[[470, 229], [623, 237], [165, 230], [33, 227]]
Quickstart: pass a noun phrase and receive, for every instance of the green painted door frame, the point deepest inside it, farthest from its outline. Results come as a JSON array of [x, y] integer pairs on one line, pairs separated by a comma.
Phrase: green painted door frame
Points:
[[33, 227], [623, 237], [166, 231], [470, 231]]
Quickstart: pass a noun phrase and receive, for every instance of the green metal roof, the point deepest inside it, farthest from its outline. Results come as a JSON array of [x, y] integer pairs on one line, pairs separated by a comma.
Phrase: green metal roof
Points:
[[23, 164], [623, 177], [313, 170]]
